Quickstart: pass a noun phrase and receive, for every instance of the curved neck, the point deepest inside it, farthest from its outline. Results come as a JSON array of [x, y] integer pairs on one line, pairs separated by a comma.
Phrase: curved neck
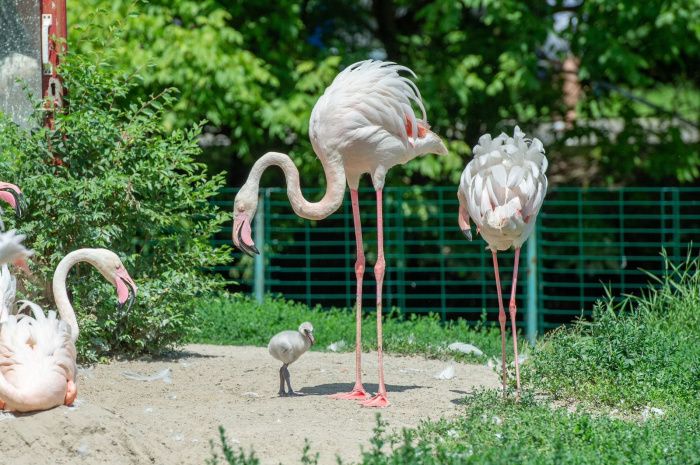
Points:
[[335, 184], [60, 294]]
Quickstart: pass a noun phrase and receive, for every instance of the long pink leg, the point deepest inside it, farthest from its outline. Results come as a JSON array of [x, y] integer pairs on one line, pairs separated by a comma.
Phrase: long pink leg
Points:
[[358, 392], [501, 320], [513, 309], [380, 399]]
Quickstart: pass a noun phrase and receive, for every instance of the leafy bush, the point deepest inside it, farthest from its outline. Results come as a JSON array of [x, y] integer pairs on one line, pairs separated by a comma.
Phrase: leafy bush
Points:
[[117, 182], [496, 431], [642, 350]]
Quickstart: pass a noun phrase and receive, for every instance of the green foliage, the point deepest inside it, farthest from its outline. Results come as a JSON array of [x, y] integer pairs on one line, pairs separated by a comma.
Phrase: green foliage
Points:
[[123, 184], [231, 456], [641, 351], [241, 321], [255, 69], [245, 68], [494, 431]]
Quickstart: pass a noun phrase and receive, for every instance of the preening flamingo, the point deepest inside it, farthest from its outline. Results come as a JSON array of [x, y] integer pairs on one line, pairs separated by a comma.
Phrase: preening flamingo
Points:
[[287, 347], [363, 123], [37, 354], [502, 190]]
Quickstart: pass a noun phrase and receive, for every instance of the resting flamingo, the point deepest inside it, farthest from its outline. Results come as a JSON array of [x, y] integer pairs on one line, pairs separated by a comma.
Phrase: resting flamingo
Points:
[[363, 123], [37, 354], [502, 190]]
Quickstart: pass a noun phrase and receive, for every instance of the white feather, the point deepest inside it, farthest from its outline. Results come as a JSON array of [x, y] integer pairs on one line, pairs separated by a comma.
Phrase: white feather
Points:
[[366, 115], [11, 247], [503, 187], [8, 291]]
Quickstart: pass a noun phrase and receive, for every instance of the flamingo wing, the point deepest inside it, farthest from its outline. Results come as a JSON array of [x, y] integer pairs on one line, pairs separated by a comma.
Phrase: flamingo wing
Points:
[[366, 97]]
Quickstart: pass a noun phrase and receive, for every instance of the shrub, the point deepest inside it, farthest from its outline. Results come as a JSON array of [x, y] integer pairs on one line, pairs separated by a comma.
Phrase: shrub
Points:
[[121, 183], [641, 350]]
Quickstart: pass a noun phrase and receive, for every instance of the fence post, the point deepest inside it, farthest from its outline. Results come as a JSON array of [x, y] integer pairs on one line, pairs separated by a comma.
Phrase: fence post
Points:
[[259, 285], [532, 288]]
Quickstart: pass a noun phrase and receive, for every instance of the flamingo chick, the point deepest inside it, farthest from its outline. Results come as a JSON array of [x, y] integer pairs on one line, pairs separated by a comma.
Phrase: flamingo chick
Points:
[[287, 347], [502, 190]]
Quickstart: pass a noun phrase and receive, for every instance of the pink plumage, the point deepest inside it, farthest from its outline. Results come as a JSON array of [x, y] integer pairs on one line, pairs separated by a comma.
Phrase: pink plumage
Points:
[[364, 122]]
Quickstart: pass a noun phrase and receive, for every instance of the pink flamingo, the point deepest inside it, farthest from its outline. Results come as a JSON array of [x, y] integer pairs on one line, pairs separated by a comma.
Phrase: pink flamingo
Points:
[[13, 196], [502, 189], [363, 123]]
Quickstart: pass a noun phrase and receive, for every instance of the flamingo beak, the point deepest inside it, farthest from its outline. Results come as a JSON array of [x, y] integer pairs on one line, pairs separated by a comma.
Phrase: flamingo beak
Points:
[[463, 221], [441, 149], [242, 234], [13, 196], [126, 289], [310, 337]]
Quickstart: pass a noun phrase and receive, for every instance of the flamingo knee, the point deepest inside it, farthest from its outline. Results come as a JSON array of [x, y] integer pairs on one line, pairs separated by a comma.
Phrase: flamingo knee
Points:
[[379, 268], [360, 267]]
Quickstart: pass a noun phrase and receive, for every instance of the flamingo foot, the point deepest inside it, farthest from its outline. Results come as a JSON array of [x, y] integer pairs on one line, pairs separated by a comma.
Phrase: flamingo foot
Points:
[[71, 393], [378, 401], [357, 393]]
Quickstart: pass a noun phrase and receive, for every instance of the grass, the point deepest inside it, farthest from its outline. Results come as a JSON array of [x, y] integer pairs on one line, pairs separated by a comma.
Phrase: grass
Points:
[[634, 354], [242, 321], [494, 431]]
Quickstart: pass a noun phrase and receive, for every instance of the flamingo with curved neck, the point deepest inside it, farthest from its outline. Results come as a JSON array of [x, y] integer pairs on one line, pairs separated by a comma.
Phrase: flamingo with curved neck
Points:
[[108, 264], [37, 354], [363, 123]]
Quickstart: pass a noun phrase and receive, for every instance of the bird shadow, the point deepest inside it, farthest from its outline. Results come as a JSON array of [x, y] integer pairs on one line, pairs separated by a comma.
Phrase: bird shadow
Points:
[[168, 356], [335, 388], [461, 400]]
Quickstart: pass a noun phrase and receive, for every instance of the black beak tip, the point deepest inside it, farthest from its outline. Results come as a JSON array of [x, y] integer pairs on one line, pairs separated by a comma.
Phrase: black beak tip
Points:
[[250, 250], [467, 233], [129, 301]]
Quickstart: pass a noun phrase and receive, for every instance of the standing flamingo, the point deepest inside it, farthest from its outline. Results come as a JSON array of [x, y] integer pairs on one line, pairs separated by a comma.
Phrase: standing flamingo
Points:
[[363, 123], [37, 354], [502, 189]]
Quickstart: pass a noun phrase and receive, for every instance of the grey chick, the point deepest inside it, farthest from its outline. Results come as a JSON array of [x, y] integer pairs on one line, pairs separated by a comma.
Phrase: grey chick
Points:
[[287, 347]]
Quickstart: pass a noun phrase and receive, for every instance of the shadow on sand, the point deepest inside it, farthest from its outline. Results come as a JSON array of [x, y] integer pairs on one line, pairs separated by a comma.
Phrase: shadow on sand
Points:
[[334, 388]]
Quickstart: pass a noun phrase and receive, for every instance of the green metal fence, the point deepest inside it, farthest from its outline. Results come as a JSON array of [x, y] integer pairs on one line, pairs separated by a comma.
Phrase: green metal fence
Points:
[[584, 239]]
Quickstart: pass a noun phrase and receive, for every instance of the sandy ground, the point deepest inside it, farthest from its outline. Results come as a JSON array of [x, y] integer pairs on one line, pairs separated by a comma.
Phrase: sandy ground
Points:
[[124, 421]]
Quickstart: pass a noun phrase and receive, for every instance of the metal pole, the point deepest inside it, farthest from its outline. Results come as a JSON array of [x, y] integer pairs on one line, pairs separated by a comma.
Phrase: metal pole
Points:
[[259, 285], [532, 285]]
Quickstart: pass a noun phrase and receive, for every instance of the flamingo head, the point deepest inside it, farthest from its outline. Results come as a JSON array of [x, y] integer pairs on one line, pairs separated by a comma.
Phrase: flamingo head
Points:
[[112, 268], [307, 330], [244, 208], [13, 196]]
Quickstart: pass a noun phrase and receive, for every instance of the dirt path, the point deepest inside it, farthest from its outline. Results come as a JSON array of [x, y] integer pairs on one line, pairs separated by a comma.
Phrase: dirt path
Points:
[[123, 421]]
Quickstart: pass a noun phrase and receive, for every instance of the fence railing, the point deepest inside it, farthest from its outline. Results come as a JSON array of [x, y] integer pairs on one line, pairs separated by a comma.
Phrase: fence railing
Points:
[[585, 239]]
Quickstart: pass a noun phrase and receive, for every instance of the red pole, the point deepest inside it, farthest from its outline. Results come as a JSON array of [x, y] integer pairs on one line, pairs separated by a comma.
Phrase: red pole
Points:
[[53, 18]]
